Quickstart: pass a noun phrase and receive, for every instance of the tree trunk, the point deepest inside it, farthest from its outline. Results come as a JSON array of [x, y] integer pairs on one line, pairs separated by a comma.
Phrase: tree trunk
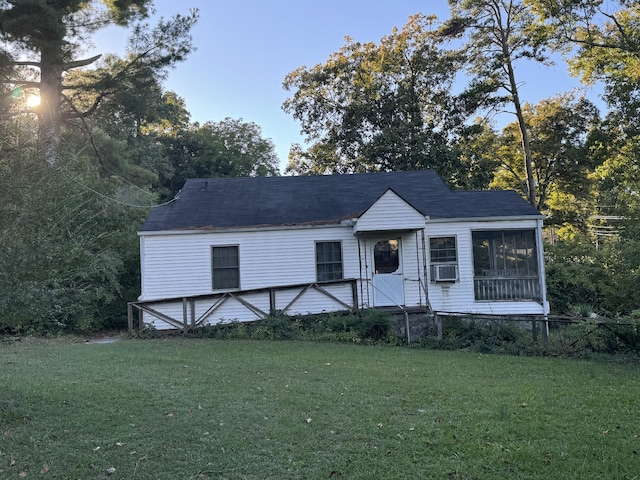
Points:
[[50, 115], [52, 66], [524, 132]]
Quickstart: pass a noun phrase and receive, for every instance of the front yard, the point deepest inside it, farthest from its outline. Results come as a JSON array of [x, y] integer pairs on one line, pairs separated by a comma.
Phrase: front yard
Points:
[[180, 408]]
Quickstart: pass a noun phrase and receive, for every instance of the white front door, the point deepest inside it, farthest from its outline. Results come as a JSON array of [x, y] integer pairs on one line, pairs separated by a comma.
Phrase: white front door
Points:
[[388, 281]]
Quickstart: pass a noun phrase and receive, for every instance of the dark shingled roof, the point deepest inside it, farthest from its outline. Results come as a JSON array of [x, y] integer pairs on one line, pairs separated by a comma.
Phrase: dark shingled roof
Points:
[[221, 203]]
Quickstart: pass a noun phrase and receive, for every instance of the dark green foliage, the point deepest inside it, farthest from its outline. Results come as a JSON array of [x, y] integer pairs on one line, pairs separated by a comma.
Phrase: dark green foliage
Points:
[[570, 337], [574, 276], [229, 148], [366, 326], [477, 335], [607, 278], [71, 261], [617, 336]]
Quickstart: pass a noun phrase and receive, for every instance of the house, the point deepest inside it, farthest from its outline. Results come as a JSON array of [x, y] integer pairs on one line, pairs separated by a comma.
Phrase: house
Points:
[[238, 248]]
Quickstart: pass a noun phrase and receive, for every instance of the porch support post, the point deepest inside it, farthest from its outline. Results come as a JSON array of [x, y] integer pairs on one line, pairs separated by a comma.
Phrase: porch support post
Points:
[[272, 300], [543, 282], [360, 277]]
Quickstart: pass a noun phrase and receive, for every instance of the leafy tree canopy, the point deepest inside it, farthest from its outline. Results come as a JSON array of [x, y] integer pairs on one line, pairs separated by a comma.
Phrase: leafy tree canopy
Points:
[[229, 148], [378, 107]]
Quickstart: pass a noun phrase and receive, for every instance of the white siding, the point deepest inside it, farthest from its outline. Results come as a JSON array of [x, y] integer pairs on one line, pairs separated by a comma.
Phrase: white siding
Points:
[[458, 297], [389, 212], [180, 264]]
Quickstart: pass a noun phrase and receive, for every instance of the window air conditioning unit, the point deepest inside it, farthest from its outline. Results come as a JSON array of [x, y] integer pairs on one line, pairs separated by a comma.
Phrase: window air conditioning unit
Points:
[[445, 273]]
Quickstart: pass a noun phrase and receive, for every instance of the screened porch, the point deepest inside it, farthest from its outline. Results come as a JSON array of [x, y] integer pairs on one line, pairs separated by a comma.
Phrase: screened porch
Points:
[[506, 266]]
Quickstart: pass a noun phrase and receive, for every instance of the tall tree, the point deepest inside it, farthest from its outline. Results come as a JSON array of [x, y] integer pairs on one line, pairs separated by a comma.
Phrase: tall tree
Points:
[[385, 106], [602, 41], [499, 33], [561, 130], [229, 148], [43, 40], [477, 154], [67, 237]]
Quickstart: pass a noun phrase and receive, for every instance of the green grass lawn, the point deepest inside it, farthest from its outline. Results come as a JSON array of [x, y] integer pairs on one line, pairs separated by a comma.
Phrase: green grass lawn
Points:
[[191, 408]]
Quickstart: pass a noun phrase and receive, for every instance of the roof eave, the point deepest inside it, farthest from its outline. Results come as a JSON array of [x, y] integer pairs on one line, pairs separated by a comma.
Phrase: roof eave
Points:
[[253, 228], [502, 218]]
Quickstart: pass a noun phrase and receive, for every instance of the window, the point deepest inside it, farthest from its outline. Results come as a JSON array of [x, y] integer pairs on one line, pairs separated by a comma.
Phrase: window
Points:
[[444, 259], [386, 256], [225, 267], [443, 249], [328, 261]]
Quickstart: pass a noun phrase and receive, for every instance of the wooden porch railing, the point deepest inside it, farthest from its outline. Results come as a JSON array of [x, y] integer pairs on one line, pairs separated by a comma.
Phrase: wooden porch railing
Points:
[[507, 289], [217, 300]]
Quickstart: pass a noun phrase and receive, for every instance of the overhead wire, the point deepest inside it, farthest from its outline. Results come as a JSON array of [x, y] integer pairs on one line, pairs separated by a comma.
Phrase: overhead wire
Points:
[[118, 201], [113, 199]]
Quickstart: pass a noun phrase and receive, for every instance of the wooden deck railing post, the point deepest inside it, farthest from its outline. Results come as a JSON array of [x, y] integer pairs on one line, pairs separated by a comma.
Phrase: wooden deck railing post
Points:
[[140, 319], [354, 294], [272, 300], [130, 316], [185, 319]]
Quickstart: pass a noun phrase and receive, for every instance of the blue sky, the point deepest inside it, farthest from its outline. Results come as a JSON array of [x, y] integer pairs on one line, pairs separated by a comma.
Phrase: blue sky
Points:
[[245, 48]]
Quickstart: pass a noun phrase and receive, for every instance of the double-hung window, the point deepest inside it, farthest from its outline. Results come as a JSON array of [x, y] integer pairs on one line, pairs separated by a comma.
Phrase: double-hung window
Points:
[[225, 267], [444, 259], [329, 261]]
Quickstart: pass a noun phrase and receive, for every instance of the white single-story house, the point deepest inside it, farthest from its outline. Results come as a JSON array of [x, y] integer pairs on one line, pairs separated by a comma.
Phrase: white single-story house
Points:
[[239, 248]]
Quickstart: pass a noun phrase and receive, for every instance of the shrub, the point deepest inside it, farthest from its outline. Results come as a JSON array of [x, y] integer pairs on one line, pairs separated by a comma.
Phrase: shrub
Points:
[[363, 326], [373, 324]]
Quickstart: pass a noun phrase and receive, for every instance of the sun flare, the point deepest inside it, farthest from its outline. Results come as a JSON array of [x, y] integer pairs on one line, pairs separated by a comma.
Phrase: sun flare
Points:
[[33, 101]]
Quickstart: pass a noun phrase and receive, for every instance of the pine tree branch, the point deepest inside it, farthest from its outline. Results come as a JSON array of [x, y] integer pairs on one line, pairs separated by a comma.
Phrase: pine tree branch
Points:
[[81, 63]]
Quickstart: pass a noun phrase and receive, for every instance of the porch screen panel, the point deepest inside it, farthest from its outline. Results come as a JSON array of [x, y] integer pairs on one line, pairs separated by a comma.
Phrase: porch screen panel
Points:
[[504, 253], [328, 261], [505, 265], [225, 267]]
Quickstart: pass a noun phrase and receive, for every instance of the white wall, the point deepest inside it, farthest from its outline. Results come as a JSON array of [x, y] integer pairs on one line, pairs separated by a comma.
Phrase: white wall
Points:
[[179, 264], [458, 297], [391, 213]]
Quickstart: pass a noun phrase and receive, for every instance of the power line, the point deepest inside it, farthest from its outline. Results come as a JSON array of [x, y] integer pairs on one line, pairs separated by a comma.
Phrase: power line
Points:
[[116, 200]]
